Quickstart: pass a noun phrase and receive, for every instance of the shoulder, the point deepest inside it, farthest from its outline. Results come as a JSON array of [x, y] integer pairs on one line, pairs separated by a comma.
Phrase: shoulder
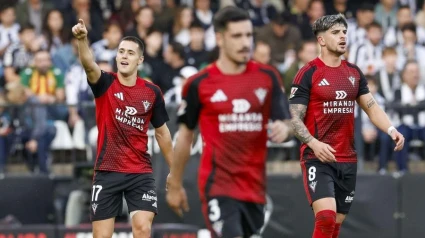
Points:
[[267, 69], [351, 65], [198, 77], [27, 71], [151, 86]]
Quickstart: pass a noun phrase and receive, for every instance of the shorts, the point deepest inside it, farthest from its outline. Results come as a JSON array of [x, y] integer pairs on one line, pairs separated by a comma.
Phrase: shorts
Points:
[[337, 180], [108, 189], [227, 217]]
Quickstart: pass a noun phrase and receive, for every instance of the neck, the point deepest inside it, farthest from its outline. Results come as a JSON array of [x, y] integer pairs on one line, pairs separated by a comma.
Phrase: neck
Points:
[[197, 46], [176, 64], [55, 33], [390, 69], [228, 66], [151, 52], [387, 8], [128, 80], [330, 59]]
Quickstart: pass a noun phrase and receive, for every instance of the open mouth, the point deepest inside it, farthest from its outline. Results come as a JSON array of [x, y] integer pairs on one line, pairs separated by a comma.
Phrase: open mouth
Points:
[[124, 63], [343, 43]]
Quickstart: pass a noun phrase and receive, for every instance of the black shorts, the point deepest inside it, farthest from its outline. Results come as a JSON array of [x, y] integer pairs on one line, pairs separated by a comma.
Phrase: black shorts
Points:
[[227, 217], [337, 180], [109, 187]]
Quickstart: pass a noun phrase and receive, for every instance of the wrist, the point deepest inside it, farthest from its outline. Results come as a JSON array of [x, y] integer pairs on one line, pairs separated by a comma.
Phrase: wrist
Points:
[[390, 130], [311, 142]]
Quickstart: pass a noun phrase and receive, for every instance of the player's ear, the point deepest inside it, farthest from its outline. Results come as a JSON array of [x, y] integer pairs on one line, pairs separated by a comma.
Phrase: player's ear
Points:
[[141, 58], [219, 38], [321, 40]]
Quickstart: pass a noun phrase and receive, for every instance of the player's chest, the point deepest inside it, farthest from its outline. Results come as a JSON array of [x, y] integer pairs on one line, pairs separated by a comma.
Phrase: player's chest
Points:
[[133, 104], [235, 97], [344, 85]]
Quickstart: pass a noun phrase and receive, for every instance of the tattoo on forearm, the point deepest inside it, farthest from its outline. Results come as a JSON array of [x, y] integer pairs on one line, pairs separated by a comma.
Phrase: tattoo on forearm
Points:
[[300, 130], [370, 103]]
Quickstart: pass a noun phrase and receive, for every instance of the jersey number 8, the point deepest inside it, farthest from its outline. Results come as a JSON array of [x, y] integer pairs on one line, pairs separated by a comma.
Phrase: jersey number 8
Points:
[[311, 173]]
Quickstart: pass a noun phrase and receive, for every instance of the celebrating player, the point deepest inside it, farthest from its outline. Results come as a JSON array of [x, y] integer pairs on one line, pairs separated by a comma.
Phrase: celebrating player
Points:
[[125, 104], [322, 102], [233, 100]]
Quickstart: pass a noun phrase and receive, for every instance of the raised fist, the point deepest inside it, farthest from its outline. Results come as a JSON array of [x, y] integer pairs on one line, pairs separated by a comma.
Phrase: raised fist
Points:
[[80, 30]]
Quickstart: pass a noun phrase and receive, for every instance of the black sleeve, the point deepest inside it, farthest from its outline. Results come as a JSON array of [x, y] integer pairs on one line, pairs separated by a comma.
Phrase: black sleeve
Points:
[[159, 113], [190, 107], [280, 106], [363, 88], [301, 86], [100, 87]]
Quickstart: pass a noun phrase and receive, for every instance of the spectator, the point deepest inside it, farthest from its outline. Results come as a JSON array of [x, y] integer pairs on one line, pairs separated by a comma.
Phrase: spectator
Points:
[[394, 35], [55, 33], [411, 93], [262, 53], [128, 13], [196, 54], [308, 51], [315, 10], [281, 36], [260, 11], [298, 11], [420, 17], [144, 21], [163, 16], [340, 6], [153, 63], [388, 77], [31, 126], [66, 55], [410, 49], [356, 32], [106, 49], [33, 12], [386, 14], [174, 59], [204, 15], [174, 95], [81, 9], [182, 21], [5, 129], [46, 83], [367, 56], [19, 55], [9, 33]]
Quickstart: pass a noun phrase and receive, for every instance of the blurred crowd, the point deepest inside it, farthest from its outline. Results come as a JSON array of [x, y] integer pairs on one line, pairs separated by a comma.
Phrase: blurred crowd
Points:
[[46, 92]]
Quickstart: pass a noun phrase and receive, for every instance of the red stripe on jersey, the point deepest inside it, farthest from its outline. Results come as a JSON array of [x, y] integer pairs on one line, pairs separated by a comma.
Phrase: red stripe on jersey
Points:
[[305, 181], [301, 73]]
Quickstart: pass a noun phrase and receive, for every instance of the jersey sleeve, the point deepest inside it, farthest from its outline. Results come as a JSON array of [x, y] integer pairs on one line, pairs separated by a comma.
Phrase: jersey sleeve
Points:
[[100, 87], [159, 113], [363, 88], [301, 86], [279, 107], [190, 106]]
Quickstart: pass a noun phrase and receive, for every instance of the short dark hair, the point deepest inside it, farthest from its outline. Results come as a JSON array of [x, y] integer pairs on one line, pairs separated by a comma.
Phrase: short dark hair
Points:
[[152, 30], [110, 24], [135, 40], [228, 14], [404, 7], [366, 7], [178, 49], [196, 24], [409, 27], [25, 27], [374, 24], [324, 23]]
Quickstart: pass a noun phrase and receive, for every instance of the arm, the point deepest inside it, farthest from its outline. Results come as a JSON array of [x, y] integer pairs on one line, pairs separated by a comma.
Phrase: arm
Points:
[[300, 130], [380, 119], [182, 155], [85, 54], [163, 137]]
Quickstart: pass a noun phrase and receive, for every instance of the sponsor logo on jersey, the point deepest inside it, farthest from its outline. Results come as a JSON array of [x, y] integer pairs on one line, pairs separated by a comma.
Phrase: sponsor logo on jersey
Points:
[[240, 105], [324, 82], [340, 95], [94, 207], [219, 96], [130, 111], [352, 80], [312, 185], [120, 96]]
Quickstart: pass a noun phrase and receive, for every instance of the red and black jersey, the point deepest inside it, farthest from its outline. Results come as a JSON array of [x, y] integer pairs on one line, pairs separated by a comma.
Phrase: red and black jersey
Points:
[[123, 115], [233, 111], [330, 94]]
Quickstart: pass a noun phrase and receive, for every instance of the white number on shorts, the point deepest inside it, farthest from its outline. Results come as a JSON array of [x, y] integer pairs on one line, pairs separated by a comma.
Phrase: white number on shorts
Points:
[[311, 173], [94, 193], [215, 212]]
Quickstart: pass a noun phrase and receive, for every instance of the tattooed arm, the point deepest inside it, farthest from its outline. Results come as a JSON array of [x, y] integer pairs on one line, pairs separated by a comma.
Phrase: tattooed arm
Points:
[[324, 152], [375, 113], [300, 130]]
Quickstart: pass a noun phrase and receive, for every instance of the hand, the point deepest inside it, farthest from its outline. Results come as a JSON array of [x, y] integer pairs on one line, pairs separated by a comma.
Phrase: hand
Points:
[[398, 138], [176, 197], [279, 131], [31, 146], [73, 118], [80, 31], [323, 151]]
